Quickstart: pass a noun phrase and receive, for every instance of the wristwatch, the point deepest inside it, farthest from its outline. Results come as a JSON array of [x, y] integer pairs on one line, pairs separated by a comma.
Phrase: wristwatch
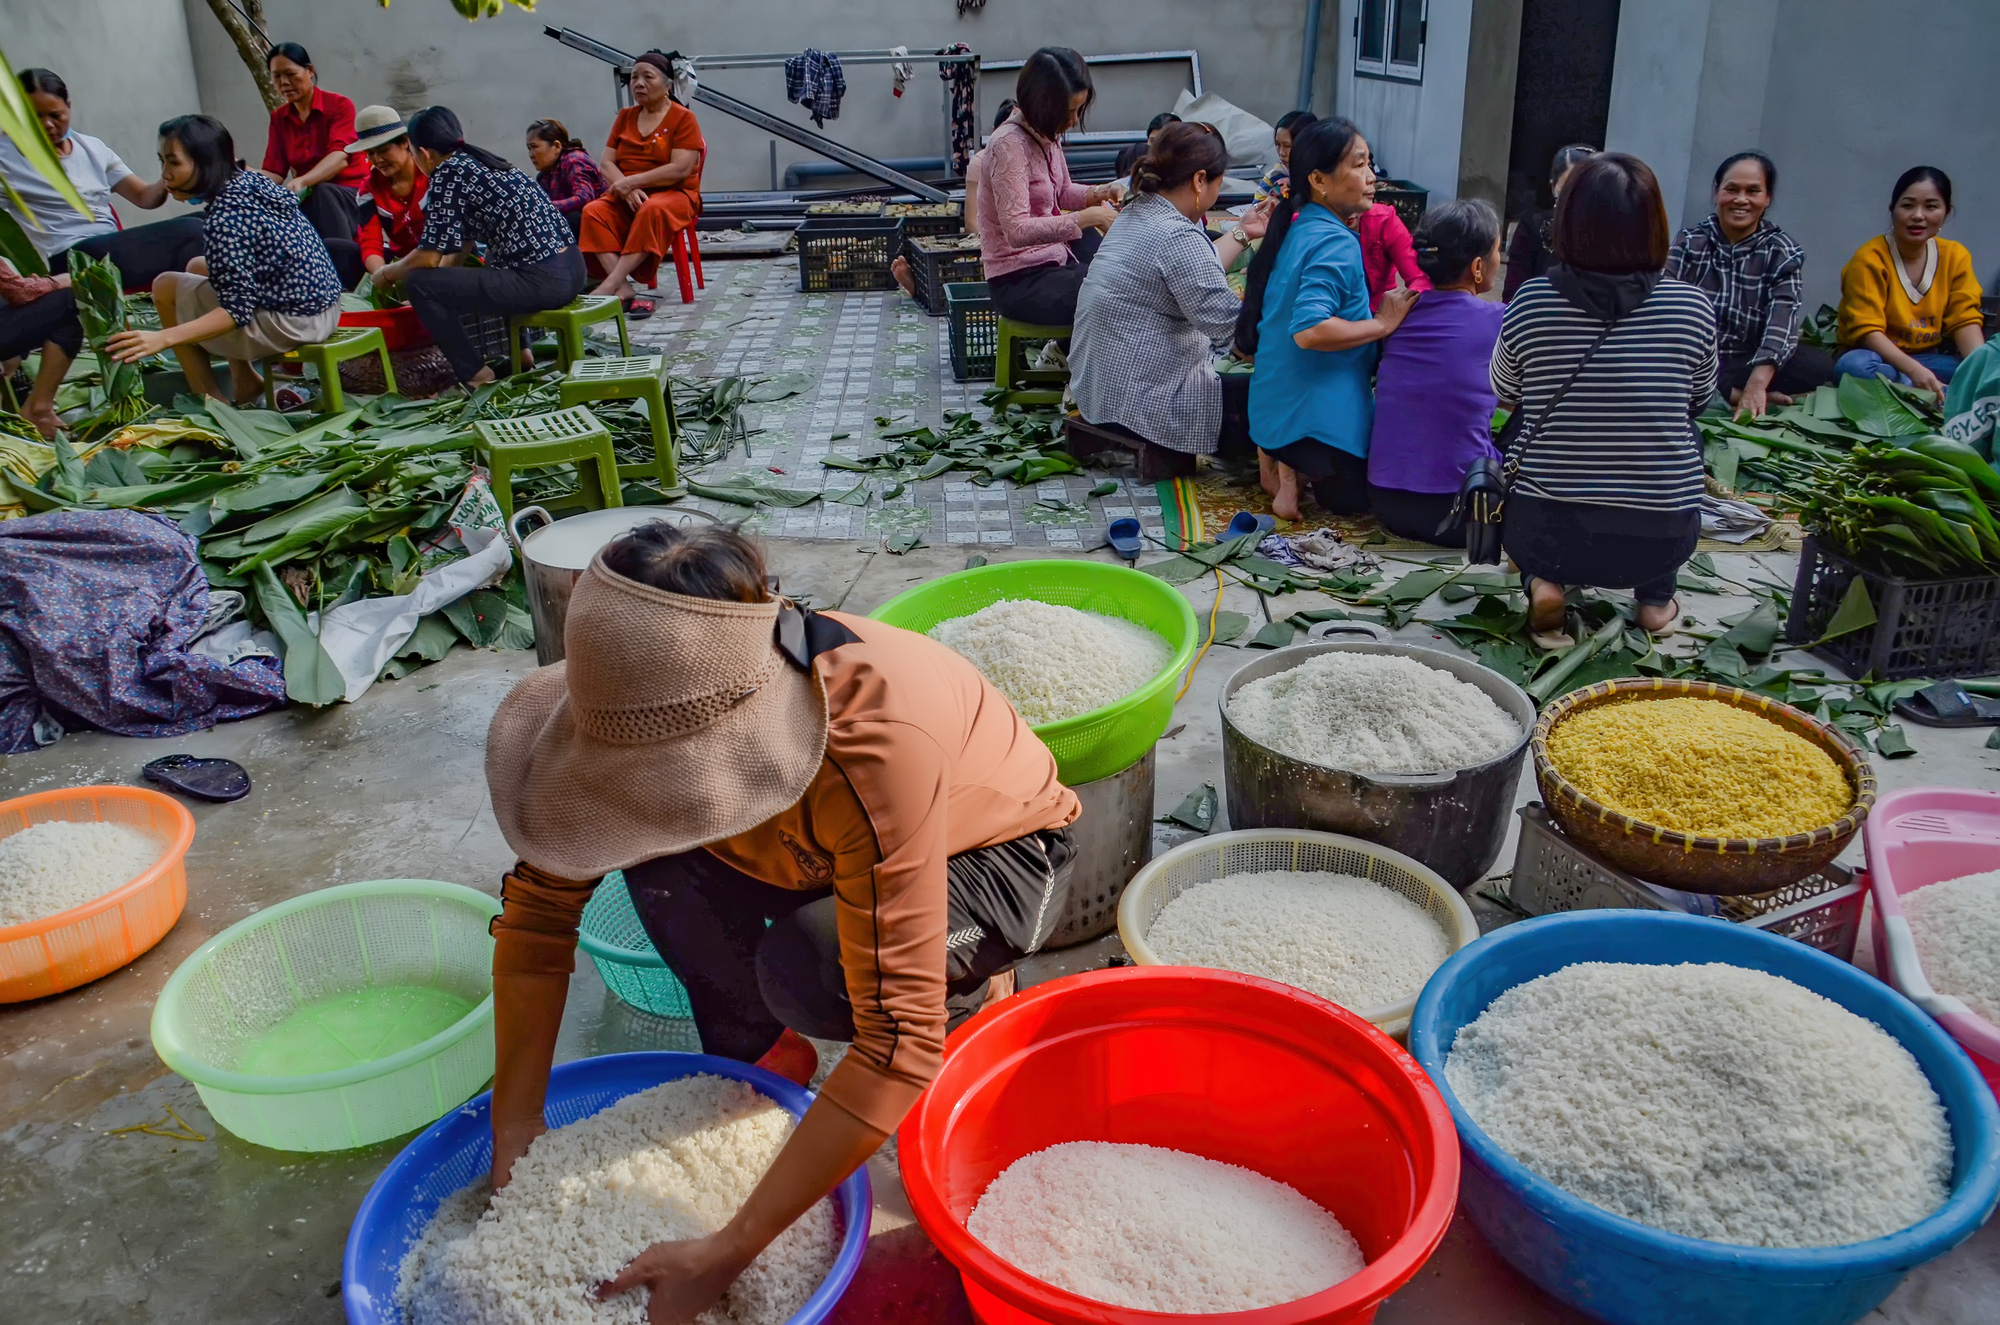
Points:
[[1239, 234]]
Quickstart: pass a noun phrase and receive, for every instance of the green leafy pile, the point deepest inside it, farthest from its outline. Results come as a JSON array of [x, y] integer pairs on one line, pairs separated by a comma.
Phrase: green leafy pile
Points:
[[1782, 456], [1928, 508], [1020, 445], [120, 396]]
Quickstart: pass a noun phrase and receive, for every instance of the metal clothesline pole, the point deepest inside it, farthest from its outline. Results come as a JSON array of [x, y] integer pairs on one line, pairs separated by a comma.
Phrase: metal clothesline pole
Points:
[[776, 59]]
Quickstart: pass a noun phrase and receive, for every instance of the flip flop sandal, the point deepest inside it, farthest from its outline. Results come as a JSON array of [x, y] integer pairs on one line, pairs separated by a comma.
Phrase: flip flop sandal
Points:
[[1673, 623], [203, 779], [1946, 705], [1123, 535], [1243, 522], [639, 309]]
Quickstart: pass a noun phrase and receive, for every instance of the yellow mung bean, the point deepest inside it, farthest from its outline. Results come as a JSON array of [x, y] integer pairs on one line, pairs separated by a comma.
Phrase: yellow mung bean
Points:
[[1700, 766]]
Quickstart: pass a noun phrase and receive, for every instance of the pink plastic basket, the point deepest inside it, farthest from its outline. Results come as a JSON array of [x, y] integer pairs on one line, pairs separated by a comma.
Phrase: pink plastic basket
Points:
[[1922, 836]]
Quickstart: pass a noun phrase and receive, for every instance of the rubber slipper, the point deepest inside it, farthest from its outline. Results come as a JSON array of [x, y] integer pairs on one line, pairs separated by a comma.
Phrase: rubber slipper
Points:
[[1946, 705], [203, 779], [1243, 522], [1123, 535], [639, 309]]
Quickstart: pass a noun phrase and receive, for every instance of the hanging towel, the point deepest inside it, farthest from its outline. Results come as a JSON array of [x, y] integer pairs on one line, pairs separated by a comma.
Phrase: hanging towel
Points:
[[814, 80], [963, 80], [902, 70]]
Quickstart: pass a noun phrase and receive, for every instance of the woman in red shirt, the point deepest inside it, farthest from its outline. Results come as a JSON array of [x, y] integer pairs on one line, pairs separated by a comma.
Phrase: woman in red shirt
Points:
[[396, 187], [653, 163], [309, 152]]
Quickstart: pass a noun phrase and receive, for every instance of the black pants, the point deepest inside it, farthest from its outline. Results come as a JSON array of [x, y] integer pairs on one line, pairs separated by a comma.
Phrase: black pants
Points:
[[441, 294], [1338, 479], [1417, 515], [143, 252], [747, 981], [1158, 463], [1045, 295], [52, 318], [336, 211], [1808, 367], [1607, 547]]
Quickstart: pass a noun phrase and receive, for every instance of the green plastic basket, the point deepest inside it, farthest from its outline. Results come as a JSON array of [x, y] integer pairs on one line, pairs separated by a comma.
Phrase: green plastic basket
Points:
[[1103, 741], [626, 959], [234, 990]]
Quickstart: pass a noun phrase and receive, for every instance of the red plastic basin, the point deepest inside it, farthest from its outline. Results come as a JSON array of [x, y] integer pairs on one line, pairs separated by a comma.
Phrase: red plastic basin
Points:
[[1227, 1066], [402, 329]]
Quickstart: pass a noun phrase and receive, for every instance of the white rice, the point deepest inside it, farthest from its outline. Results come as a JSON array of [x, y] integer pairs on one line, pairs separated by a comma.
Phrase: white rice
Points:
[[1160, 1230], [1374, 713], [1344, 938], [668, 1163], [1956, 925], [1708, 1100], [1054, 662], [48, 868]]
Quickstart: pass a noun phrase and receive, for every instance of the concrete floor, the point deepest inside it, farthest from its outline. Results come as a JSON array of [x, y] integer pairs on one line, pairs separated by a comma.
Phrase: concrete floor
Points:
[[127, 1228]]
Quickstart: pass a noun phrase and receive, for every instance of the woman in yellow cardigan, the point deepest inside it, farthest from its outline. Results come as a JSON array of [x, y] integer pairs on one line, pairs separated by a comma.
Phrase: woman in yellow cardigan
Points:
[[1909, 302]]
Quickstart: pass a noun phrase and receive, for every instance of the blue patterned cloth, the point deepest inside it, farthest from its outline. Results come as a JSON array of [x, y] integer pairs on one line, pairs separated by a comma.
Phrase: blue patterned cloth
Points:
[[97, 610], [503, 210], [263, 253], [815, 80]]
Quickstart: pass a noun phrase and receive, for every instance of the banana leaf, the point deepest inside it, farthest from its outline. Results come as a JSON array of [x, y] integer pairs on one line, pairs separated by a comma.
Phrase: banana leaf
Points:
[[264, 493], [743, 491], [19, 122], [324, 526], [1872, 406], [310, 676], [100, 306]]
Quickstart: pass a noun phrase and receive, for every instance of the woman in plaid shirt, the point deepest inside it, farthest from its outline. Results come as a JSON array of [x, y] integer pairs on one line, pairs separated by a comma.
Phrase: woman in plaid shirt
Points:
[[1754, 274]]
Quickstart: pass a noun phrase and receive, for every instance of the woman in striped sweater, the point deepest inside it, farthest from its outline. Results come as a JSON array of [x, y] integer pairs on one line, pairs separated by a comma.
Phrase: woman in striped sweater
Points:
[[1608, 363]]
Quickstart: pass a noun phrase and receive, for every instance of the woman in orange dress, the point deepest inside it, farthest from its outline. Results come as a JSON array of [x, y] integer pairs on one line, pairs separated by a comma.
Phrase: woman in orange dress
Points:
[[653, 164]]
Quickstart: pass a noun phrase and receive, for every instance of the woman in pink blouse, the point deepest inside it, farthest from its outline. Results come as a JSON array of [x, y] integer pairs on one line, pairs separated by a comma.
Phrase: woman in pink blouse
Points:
[[1035, 252], [1386, 253]]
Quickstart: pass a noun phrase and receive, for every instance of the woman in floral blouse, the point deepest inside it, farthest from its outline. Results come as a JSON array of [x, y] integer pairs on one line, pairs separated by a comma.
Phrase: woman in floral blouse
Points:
[[479, 203], [268, 284], [564, 170]]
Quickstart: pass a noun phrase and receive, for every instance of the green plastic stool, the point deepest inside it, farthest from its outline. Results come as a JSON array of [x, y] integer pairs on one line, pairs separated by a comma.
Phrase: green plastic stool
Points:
[[568, 323], [326, 357], [1024, 385], [642, 378], [566, 437]]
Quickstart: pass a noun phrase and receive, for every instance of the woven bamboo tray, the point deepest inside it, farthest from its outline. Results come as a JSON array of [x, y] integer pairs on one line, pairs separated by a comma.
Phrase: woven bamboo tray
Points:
[[1730, 866]]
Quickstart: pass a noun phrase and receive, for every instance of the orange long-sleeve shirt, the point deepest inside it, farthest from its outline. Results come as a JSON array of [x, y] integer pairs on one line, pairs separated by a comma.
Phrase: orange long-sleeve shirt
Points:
[[924, 760]]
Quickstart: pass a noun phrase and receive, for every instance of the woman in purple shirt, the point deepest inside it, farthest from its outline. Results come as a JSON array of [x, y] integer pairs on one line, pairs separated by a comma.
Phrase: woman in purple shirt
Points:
[[1433, 392]]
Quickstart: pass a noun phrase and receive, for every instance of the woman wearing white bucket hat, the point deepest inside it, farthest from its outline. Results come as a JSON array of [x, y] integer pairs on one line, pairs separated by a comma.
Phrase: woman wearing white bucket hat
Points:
[[396, 185], [828, 825]]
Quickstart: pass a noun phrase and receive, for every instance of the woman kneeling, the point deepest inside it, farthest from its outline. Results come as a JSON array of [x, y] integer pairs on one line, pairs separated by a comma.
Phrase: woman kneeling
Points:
[[1609, 364], [269, 286], [475, 198], [870, 840]]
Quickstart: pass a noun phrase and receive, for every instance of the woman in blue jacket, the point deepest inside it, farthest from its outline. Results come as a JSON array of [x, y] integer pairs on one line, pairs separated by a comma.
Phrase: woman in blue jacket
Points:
[[1306, 322]]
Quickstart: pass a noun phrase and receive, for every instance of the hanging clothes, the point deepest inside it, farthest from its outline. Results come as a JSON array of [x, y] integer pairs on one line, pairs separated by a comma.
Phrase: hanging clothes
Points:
[[814, 80], [963, 80], [902, 71], [97, 610]]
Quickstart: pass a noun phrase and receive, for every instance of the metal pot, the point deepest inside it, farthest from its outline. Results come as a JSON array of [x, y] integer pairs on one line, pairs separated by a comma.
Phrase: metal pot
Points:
[[1454, 821], [1114, 837], [554, 552]]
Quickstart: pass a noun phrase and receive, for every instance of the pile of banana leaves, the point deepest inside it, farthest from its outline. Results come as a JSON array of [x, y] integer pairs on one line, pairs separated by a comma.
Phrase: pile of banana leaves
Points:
[[1927, 508], [1021, 445], [1778, 460], [119, 396]]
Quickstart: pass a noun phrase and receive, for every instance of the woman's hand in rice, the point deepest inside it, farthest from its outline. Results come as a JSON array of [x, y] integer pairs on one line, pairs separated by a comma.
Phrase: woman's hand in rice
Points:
[[684, 1278]]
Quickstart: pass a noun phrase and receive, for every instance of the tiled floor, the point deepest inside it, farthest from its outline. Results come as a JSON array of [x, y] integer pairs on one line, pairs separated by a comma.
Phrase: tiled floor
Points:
[[872, 355]]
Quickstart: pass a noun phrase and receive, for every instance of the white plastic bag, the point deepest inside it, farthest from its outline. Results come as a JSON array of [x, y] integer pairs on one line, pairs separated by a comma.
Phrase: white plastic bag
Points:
[[1251, 142]]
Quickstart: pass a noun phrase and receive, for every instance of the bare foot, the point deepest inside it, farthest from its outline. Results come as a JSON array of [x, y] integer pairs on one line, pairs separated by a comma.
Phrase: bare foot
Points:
[[1267, 474], [900, 269], [1546, 607], [999, 987], [244, 383], [1285, 501], [1657, 617], [482, 377]]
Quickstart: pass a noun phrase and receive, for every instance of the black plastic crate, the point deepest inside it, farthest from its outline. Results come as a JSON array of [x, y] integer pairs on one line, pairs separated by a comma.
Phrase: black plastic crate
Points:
[[848, 253], [1939, 628], [1408, 199], [1552, 873], [933, 269], [975, 332], [951, 224]]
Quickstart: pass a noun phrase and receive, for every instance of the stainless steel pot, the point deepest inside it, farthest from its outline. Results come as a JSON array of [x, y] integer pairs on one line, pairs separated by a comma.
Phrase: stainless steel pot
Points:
[[1114, 837], [554, 552], [1454, 821]]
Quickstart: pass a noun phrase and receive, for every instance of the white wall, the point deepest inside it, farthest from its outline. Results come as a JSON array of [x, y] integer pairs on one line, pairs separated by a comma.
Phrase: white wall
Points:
[[501, 73], [1414, 128], [1699, 80], [127, 63]]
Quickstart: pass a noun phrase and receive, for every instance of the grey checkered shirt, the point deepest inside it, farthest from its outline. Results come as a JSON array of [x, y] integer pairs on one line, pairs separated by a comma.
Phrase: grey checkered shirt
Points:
[[1757, 287]]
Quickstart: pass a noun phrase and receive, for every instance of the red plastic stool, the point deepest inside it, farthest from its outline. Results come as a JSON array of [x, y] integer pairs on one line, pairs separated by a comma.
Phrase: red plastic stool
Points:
[[687, 254]]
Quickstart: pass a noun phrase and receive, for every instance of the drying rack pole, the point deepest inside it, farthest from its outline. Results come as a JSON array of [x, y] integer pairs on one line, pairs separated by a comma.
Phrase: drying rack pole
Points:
[[749, 114]]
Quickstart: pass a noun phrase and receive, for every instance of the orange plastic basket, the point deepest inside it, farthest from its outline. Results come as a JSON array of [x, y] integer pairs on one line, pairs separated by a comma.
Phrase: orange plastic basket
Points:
[[77, 946]]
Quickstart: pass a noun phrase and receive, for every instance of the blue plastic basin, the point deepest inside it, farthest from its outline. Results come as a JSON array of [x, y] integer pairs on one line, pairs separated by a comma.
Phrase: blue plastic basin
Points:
[[1626, 1273], [458, 1149]]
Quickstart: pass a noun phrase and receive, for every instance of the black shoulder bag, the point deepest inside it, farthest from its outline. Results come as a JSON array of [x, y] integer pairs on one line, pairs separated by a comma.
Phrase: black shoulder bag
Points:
[[1482, 493]]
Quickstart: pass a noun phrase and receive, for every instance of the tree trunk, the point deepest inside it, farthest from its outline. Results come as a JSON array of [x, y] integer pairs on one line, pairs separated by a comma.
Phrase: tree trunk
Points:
[[249, 42]]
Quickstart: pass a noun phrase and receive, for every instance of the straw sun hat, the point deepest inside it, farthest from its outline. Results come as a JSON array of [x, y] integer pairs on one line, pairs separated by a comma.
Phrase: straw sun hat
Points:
[[672, 723], [376, 125]]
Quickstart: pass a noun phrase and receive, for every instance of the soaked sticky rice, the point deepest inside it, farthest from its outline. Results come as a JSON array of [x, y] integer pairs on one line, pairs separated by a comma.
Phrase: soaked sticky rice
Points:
[[1956, 925], [1374, 713], [1054, 662], [54, 866]]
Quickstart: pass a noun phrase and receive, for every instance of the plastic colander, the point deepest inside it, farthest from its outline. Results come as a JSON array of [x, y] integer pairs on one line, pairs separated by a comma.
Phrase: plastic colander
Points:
[[1262, 850], [340, 973], [76, 946], [625, 958], [1105, 740], [458, 1150]]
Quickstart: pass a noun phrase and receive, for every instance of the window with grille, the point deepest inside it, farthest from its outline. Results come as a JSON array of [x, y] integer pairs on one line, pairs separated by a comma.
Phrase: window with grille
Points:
[[1389, 39]]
